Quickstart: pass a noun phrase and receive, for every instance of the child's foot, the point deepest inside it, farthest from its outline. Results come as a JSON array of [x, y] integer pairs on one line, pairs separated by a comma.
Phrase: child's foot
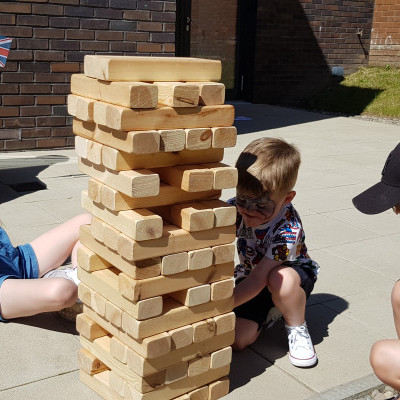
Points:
[[301, 349], [274, 315], [70, 313], [64, 272]]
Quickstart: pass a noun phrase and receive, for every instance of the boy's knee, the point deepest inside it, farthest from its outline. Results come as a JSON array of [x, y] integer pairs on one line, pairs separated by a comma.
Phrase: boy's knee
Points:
[[63, 293], [282, 279], [396, 294], [378, 355]]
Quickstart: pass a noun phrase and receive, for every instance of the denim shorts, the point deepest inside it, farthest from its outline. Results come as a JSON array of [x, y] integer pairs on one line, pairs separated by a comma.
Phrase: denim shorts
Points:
[[16, 262], [257, 308]]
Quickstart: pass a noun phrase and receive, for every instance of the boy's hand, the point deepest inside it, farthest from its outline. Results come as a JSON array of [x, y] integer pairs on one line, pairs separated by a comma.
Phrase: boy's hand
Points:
[[255, 282]]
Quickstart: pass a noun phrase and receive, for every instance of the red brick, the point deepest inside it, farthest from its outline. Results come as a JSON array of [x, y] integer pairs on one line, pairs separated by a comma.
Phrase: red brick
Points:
[[32, 20], [66, 2], [17, 77], [11, 66], [109, 35], [19, 144], [49, 55], [149, 47], [47, 9], [48, 33], [34, 111], [123, 46], [61, 89], [95, 46], [137, 15], [10, 134], [20, 55], [169, 47], [62, 131], [65, 67], [34, 88], [36, 132], [70, 142], [16, 31], [8, 88], [150, 26], [15, 8], [168, 27], [49, 77], [169, 6], [18, 100], [21, 122], [80, 34], [1, 144], [50, 99], [7, 19], [137, 36], [50, 143], [9, 111], [51, 121], [34, 44]]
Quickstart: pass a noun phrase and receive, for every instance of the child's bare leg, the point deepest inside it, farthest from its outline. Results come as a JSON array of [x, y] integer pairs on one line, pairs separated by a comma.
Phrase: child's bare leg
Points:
[[396, 306], [385, 361], [25, 297], [287, 294], [246, 333], [55, 246]]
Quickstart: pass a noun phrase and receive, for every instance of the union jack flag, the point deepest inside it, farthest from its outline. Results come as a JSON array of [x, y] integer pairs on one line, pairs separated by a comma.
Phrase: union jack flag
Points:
[[5, 44]]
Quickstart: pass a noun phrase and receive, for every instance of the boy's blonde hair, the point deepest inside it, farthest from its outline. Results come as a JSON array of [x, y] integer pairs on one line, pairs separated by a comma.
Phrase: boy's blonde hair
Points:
[[268, 165]]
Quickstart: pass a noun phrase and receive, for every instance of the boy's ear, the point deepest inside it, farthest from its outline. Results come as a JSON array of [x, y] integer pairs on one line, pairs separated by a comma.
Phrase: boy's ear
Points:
[[289, 197]]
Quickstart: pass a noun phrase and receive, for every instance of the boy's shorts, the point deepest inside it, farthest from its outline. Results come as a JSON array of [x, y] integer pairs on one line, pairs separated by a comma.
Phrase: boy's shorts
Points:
[[16, 262], [257, 308]]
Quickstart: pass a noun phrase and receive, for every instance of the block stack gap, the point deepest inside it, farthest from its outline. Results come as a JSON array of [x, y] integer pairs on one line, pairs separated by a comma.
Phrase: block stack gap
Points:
[[156, 263]]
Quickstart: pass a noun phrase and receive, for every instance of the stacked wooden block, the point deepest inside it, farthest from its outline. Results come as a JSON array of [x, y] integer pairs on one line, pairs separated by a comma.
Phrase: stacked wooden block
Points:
[[156, 263]]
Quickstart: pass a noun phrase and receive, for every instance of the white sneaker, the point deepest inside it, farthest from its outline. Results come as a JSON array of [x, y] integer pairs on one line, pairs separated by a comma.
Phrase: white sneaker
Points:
[[301, 349], [64, 272]]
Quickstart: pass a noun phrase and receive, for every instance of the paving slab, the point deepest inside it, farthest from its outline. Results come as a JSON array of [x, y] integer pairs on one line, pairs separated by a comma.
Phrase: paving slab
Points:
[[348, 310]]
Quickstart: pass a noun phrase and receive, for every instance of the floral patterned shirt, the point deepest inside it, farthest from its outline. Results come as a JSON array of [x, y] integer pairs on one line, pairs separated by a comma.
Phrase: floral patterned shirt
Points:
[[281, 239]]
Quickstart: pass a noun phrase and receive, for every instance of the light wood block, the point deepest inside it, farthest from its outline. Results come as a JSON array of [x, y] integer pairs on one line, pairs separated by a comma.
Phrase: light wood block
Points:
[[225, 323], [139, 224], [174, 315], [85, 294], [106, 283], [218, 389], [211, 93], [222, 290], [98, 303], [225, 177], [126, 94], [198, 138], [224, 213], [142, 269], [90, 261], [199, 394], [117, 384], [94, 190], [188, 177], [174, 263], [136, 119], [176, 372], [223, 253], [88, 149], [81, 146], [177, 94], [118, 349], [224, 136], [191, 217], [199, 365], [110, 237], [181, 337], [174, 240], [193, 296], [139, 183], [117, 201], [172, 139], [113, 314], [89, 363], [199, 259], [135, 290], [220, 358], [150, 69], [100, 384], [204, 330], [88, 328], [81, 107]]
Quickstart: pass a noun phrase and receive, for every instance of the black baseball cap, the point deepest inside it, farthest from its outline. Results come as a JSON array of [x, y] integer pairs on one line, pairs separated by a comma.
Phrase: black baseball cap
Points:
[[386, 193]]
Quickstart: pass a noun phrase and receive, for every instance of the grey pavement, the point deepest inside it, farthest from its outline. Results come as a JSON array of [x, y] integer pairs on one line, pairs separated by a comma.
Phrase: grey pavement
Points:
[[350, 306]]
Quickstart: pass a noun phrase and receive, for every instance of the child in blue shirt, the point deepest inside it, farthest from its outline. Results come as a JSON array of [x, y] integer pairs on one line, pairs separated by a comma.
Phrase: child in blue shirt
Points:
[[275, 269], [21, 294]]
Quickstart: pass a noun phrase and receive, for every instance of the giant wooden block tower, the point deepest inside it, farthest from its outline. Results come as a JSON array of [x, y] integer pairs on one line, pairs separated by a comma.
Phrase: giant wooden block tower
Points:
[[156, 265]]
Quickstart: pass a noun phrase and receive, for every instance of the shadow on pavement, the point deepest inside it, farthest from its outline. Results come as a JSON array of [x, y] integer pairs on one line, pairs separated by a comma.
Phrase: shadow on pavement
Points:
[[259, 117], [272, 343], [19, 176]]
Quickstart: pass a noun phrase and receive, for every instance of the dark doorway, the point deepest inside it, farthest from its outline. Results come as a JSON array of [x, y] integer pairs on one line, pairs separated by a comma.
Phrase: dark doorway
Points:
[[209, 29]]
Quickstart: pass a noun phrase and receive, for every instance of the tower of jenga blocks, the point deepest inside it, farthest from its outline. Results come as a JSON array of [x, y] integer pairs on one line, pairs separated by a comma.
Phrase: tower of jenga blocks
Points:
[[156, 263]]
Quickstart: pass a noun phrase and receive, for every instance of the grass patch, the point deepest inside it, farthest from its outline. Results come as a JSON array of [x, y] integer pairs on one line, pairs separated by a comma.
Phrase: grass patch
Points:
[[369, 91]]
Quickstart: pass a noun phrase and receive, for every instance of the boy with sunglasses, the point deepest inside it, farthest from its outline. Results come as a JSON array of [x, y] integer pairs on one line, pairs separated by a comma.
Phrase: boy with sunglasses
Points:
[[384, 195], [275, 269]]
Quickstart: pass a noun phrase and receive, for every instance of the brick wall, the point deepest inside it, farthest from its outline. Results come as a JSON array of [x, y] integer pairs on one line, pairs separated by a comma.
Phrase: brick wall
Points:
[[385, 37], [299, 41], [50, 39]]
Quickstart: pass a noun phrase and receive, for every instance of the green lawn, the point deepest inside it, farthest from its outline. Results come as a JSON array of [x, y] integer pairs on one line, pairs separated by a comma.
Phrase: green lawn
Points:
[[369, 91]]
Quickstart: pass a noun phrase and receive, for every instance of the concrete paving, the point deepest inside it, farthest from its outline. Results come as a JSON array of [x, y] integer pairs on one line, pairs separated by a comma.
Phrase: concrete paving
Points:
[[350, 306]]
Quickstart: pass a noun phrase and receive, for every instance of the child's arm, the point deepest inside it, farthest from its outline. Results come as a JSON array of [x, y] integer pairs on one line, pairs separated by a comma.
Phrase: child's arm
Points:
[[255, 282]]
